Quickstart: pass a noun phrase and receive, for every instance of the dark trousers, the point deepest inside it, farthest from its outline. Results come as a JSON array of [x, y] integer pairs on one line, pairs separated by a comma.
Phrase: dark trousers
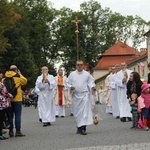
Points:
[[135, 118], [15, 111], [2, 117]]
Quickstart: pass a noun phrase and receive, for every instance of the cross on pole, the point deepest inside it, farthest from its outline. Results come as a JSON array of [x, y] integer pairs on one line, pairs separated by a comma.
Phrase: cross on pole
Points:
[[76, 21]]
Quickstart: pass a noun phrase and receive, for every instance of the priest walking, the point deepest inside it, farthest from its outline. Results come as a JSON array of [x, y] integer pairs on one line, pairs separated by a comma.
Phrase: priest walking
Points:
[[60, 95], [81, 84], [45, 85], [122, 78]]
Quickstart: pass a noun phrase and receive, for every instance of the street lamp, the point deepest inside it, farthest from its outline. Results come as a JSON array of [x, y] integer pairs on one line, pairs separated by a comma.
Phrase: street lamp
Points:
[[76, 21]]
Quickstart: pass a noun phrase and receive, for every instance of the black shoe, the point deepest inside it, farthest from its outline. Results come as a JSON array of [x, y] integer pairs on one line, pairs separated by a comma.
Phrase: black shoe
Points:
[[78, 131], [40, 120], [11, 133], [62, 116], [48, 124], [44, 124], [83, 132], [19, 134], [133, 127], [123, 119], [71, 114], [117, 117], [129, 119], [56, 116]]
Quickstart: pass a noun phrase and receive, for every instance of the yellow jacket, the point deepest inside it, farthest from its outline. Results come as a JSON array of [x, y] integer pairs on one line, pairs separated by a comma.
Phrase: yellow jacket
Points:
[[19, 80]]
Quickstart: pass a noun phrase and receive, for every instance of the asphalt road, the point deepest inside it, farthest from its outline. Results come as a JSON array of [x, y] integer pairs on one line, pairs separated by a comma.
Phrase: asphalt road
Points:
[[110, 134]]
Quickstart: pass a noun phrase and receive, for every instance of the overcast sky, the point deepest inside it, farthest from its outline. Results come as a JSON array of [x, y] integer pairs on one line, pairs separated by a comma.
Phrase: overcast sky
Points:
[[124, 7]]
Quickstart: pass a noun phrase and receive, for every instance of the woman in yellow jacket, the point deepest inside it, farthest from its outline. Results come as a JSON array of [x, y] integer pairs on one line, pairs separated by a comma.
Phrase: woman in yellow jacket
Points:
[[16, 105]]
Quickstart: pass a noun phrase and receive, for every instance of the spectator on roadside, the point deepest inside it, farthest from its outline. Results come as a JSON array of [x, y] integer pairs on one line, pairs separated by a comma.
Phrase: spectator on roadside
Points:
[[5, 99], [1, 76], [134, 110], [145, 109], [134, 84], [16, 105]]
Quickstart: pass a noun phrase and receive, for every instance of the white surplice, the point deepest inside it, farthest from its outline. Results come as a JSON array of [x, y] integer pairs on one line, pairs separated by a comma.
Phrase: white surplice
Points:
[[81, 96], [45, 93], [124, 106], [107, 95], [114, 97]]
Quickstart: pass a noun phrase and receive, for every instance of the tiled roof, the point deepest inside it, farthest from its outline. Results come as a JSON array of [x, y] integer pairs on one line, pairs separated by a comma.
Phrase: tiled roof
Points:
[[142, 54], [106, 62], [116, 54], [120, 48]]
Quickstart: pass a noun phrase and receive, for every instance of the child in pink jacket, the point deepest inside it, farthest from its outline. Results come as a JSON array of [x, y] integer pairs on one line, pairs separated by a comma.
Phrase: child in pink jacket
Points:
[[144, 104]]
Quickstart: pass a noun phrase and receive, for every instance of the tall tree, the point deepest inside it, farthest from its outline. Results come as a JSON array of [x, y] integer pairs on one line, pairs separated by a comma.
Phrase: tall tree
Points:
[[7, 19], [41, 16]]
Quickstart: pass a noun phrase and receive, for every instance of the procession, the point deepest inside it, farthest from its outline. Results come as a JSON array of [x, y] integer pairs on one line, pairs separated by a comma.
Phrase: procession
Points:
[[74, 76], [77, 93]]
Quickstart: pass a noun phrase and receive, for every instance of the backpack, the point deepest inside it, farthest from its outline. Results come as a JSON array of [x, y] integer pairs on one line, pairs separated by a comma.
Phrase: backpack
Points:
[[10, 85]]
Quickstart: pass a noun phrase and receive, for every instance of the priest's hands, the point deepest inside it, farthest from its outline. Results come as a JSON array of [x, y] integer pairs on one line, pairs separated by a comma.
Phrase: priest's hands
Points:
[[94, 88], [72, 88], [46, 81], [124, 80]]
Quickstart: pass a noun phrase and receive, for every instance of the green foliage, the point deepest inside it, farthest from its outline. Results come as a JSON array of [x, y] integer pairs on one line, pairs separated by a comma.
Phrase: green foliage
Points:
[[7, 19]]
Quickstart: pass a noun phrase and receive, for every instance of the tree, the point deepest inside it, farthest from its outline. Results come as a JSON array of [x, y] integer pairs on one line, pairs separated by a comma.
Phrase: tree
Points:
[[31, 39], [7, 19], [40, 17]]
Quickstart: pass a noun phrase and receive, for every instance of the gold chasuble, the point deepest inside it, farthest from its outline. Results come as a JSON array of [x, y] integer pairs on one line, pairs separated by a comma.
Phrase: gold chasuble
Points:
[[60, 90]]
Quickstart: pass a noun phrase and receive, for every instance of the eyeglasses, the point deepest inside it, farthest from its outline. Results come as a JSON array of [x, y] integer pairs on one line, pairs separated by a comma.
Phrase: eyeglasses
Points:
[[79, 64]]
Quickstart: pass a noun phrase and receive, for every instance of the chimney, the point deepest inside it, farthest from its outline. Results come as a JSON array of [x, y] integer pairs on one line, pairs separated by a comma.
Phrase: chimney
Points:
[[143, 49]]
